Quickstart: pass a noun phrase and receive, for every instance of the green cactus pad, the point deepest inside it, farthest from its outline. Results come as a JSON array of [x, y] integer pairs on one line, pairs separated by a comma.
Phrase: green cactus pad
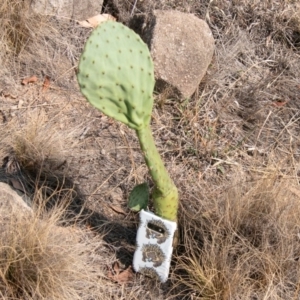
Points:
[[139, 197], [116, 74]]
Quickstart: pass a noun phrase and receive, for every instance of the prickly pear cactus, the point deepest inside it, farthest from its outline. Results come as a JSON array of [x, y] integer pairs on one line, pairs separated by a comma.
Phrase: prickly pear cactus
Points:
[[116, 74]]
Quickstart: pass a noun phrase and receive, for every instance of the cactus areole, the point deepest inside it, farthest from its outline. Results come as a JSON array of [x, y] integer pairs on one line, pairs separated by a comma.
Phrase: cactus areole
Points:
[[116, 76]]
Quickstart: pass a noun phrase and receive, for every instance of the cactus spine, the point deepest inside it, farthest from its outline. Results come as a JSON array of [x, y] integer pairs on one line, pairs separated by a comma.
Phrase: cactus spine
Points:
[[116, 76]]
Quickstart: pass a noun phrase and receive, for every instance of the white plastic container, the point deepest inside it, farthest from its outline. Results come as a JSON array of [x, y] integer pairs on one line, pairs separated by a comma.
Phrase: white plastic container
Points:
[[154, 246]]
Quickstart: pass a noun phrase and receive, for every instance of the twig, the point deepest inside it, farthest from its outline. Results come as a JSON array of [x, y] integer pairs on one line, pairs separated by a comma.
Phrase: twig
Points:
[[133, 8], [261, 129]]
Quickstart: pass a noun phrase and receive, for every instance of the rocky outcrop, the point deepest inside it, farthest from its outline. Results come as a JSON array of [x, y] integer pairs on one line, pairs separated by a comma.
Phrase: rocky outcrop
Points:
[[78, 10], [181, 46]]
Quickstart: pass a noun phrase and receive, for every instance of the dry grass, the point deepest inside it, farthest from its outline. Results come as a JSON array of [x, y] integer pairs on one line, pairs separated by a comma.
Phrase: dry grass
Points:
[[15, 31], [39, 260], [233, 150], [38, 45], [33, 144], [242, 242]]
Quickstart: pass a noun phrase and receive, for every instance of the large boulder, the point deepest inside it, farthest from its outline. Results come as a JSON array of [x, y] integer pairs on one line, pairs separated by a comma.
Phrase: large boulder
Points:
[[78, 10], [181, 46]]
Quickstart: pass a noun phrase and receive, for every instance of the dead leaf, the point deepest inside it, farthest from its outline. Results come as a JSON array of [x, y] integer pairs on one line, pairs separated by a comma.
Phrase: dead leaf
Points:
[[120, 277], [31, 79], [96, 20], [117, 209], [46, 84], [279, 104]]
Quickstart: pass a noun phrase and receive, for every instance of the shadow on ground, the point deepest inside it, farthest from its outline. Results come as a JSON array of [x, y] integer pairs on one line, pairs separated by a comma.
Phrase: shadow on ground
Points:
[[54, 189]]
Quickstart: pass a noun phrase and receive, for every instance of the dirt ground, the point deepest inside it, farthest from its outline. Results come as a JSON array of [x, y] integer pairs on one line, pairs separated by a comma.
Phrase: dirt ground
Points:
[[241, 125]]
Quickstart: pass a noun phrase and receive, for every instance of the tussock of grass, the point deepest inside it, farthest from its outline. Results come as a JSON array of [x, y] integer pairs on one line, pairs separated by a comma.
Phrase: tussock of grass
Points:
[[37, 141], [40, 260], [34, 152], [242, 243], [15, 31]]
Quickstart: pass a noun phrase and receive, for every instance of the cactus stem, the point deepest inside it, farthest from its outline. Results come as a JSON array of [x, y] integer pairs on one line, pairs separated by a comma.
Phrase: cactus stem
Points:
[[165, 195]]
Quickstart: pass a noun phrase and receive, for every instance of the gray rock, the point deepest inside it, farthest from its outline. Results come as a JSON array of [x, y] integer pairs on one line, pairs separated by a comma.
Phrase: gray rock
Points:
[[181, 46], [11, 203], [78, 10], [12, 209]]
